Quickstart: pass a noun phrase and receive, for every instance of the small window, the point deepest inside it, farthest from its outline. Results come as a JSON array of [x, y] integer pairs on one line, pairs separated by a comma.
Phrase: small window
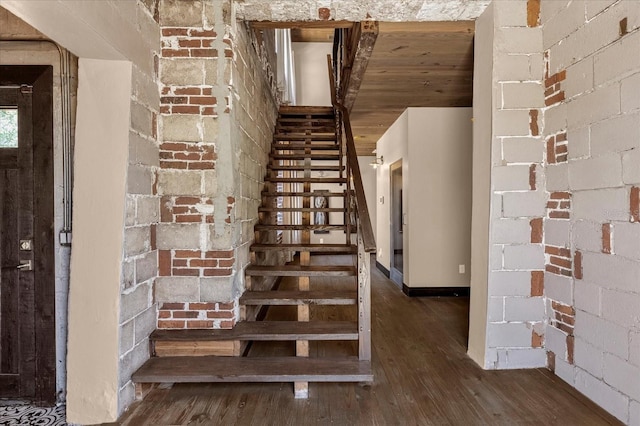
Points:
[[8, 128]]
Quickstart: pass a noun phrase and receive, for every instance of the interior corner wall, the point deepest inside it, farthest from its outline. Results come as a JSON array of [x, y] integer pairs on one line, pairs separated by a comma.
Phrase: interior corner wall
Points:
[[368, 174], [481, 187], [101, 154]]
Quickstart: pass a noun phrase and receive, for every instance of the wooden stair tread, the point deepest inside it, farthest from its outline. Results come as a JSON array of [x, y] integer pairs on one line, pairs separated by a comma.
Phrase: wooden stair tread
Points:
[[326, 168], [210, 369], [260, 227], [303, 146], [297, 270], [307, 180], [302, 194], [338, 248], [305, 109], [265, 330], [293, 297], [322, 157], [308, 120], [288, 137], [300, 209]]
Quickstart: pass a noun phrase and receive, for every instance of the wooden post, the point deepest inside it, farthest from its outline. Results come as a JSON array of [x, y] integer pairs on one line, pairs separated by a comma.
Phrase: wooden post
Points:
[[364, 301]]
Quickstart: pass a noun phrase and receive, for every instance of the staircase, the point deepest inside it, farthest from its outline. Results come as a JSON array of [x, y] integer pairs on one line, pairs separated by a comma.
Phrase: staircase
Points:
[[308, 153]]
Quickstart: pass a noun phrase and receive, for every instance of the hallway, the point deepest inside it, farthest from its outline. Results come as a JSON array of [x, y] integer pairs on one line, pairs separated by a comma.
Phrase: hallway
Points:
[[422, 377]]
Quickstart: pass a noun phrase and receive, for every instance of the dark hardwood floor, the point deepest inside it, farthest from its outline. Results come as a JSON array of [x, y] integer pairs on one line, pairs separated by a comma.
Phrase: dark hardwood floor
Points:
[[422, 377]]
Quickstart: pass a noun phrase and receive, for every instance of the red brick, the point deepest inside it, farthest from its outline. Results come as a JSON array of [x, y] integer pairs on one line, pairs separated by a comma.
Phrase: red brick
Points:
[[537, 283], [565, 204], [179, 263], [577, 265], [192, 156], [175, 53], [606, 238], [533, 122], [227, 324], [559, 215], [202, 165], [203, 100], [204, 53], [153, 237], [561, 137], [189, 43], [551, 150], [202, 306], [218, 315], [549, 91], [185, 314], [183, 272], [188, 218], [561, 262], [164, 314], [168, 32], [199, 324], [173, 146], [634, 204], [181, 210], [558, 97], [173, 100], [533, 13], [570, 345], [172, 306], [324, 13], [203, 263], [171, 324], [226, 306], [207, 91], [567, 329], [185, 109], [551, 361], [202, 33], [552, 204], [537, 340], [552, 269], [187, 91], [209, 156], [560, 195], [557, 251], [217, 272], [173, 164], [187, 253], [164, 263], [189, 201], [532, 177]]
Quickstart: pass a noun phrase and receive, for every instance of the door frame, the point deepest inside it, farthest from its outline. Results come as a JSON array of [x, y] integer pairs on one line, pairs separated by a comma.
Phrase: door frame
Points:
[[40, 77], [395, 275]]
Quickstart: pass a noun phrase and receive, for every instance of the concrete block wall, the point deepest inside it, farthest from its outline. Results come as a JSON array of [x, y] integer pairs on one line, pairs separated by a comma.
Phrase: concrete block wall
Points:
[[216, 123], [592, 228], [516, 305], [140, 261]]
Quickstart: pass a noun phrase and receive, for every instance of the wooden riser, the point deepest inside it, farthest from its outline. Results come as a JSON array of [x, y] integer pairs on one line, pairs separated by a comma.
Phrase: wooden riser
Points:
[[301, 209], [197, 348], [303, 194], [264, 331], [320, 157], [302, 228], [303, 146], [301, 271], [305, 109], [302, 167], [322, 120], [325, 248], [304, 137], [228, 369], [302, 129], [287, 298]]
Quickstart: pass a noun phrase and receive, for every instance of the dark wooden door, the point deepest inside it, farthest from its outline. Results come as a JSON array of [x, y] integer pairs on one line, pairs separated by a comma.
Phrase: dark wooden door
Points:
[[27, 282]]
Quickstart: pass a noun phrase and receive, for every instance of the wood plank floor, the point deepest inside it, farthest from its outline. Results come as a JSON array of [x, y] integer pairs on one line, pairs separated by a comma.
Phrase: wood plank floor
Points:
[[422, 377]]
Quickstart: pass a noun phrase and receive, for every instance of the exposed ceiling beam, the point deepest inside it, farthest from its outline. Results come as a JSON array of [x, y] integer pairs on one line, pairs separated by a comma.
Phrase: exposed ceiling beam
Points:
[[366, 33], [263, 25]]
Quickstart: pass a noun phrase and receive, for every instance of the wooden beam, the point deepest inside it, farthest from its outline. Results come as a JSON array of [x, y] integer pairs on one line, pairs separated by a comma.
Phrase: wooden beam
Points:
[[260, 25], [367, 39]]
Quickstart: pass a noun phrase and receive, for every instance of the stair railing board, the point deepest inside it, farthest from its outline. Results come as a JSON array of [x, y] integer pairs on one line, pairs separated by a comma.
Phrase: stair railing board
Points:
[[364, 300]]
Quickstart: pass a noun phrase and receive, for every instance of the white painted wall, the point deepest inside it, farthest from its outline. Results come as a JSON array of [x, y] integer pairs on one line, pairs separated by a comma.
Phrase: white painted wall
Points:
[[435, 147], [369, 177], [312, 74]]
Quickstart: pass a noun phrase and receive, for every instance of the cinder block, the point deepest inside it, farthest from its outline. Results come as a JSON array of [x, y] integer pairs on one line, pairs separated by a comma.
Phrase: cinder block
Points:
[[511, 123], [602, 205], [602, 394], [495, 309], [618, 59], [614, 272], [621, 308], [522, 95], [178, 236], [511, 178], [526, 358], [183, 72], [128, 273], [174, 182], [530, 256], [549, 9], [557, 177], [223, 237], [144, 88], [619, 373], [217, 289], [142, 151], [177, 289], [634, 347], [512, 67], [524, 204], [511, 231], [595, 7], [589, 358], [510, 283], [629, 88], [146, 267], [565, 22], [136, 240], [634, 413], [211, 77], [565, 371], [134, 302], [556, 341], [148, 210], [555, 119], [524, 309], [579, 141], [508, 335], [588, 297], [603, 334], [583, 175], [604, 102], [556, 232], [126, 337], [559, 288], [518, 40], [579, 78], [131, 361], [210, 129], [141, 120], [522, 150], [210, 181], [130, 211], [617, 134], [175, 13], [631, 166], [511, 14], [139, 180], [145, 323], [181, 128], [626, 240]]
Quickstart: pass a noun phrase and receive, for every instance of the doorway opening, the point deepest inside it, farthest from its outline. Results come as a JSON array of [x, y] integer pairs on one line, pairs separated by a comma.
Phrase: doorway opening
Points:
[[397, 224]]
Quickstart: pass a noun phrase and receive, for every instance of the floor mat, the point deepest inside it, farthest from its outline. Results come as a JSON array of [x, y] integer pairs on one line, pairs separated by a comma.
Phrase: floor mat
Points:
[[28, 415]]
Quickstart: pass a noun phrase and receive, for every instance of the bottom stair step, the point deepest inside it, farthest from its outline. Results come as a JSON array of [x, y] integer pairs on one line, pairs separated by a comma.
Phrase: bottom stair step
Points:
[[211, 369]]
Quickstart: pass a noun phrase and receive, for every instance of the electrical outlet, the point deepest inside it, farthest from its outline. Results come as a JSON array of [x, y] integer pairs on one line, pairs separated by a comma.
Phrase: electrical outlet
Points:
[[461, 269]]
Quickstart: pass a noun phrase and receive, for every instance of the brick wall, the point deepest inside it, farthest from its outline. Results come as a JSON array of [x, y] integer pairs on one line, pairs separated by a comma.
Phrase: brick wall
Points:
[[592, 234], [217, 113]]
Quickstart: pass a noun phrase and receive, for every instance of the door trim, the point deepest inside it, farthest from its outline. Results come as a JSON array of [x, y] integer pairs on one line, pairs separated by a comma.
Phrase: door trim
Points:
[[41, 78]]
